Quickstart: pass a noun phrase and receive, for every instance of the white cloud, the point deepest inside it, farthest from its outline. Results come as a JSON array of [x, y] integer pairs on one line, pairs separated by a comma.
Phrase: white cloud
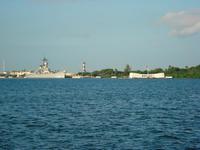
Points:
[[183, 23]]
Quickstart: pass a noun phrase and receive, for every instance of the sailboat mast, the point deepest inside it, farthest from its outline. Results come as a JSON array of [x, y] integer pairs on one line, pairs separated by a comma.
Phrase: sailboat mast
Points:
[[4, 65]]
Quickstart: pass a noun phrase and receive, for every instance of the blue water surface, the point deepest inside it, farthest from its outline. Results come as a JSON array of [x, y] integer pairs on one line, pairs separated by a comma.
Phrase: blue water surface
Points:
[[99, 114]]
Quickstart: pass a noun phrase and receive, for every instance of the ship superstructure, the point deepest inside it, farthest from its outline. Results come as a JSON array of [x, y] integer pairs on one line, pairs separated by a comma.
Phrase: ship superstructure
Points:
[[45, 72], [44, 67]]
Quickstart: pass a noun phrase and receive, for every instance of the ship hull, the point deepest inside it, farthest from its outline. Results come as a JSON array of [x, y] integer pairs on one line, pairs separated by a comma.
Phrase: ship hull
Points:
[[47, 76]]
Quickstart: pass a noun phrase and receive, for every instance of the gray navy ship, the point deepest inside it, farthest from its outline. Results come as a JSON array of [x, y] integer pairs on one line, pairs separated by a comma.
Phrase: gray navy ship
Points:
[[45, 72]]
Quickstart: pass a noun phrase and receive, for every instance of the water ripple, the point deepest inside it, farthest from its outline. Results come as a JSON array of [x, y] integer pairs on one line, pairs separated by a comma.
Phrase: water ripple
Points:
[[100, 114]]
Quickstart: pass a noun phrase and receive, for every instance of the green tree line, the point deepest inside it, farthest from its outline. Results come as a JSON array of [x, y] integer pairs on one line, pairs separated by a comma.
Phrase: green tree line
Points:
[[175, 72]]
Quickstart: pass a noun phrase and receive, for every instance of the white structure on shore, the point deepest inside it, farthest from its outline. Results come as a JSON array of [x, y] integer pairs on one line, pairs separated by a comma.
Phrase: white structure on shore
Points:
[[144, 76], [19, 74], [84, 67]]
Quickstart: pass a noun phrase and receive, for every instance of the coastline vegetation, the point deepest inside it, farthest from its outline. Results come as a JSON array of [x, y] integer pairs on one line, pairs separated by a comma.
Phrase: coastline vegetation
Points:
[[175, 72]]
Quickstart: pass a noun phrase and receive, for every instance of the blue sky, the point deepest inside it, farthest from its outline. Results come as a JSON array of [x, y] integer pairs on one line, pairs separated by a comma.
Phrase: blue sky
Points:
[[104, 33]]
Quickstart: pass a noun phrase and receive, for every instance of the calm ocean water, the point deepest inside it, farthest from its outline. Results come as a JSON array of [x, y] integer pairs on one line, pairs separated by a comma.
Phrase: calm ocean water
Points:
[[99, 114]]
